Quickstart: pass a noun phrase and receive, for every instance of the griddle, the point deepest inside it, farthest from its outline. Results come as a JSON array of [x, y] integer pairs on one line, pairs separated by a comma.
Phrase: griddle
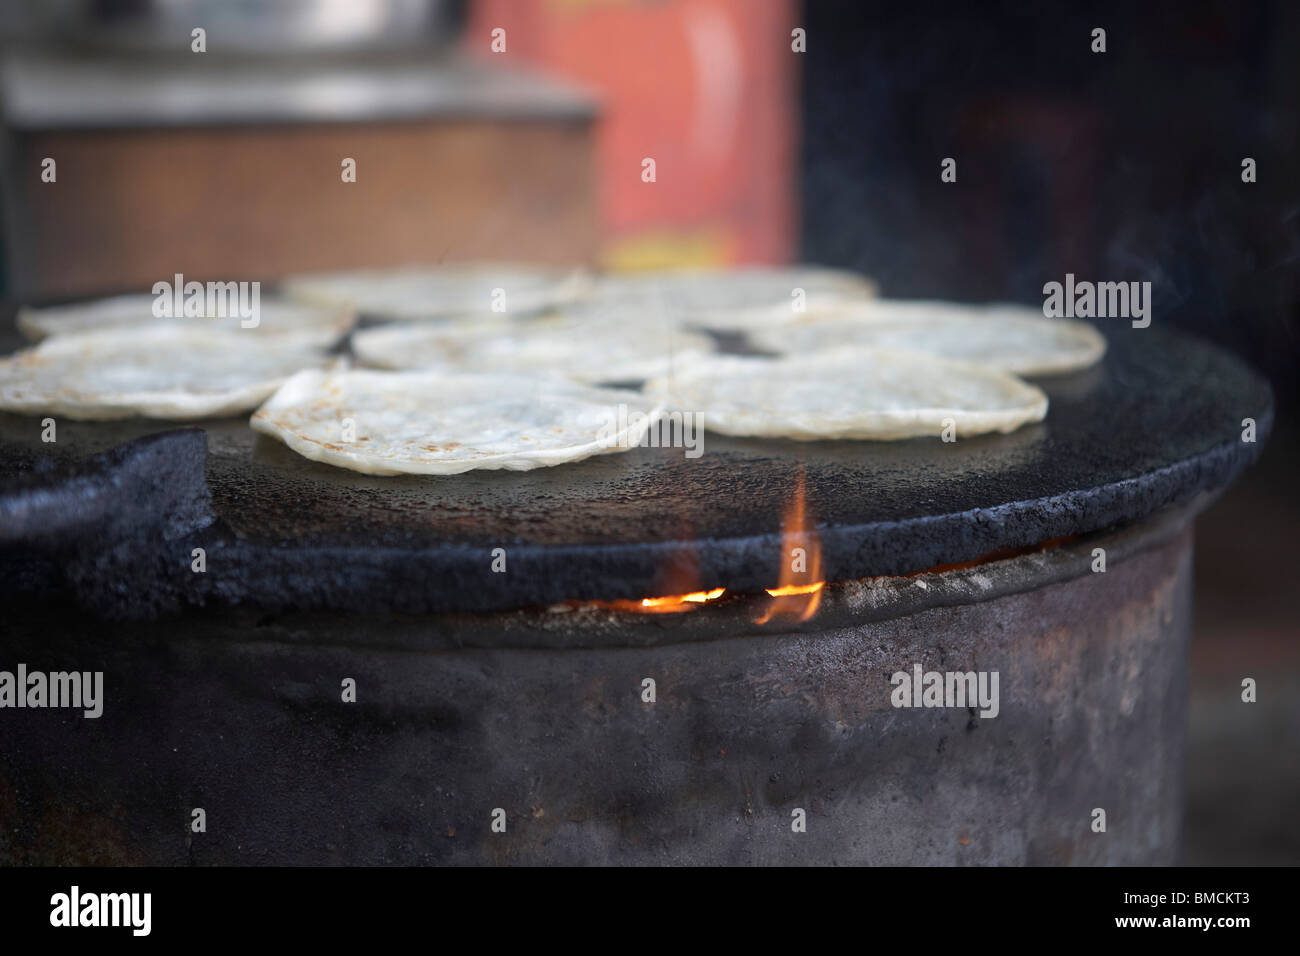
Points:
[[113, 510]]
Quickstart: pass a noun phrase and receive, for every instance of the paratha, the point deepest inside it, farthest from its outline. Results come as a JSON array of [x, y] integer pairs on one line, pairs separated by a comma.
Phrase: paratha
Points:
[[415, 422], [854, 393], [739, 299], [322, 326], [586, 349], [1007, 337], [425, 292], [159, 371]]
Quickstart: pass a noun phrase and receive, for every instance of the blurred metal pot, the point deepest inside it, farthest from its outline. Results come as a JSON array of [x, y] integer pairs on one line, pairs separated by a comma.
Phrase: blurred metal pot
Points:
[[260, 27]]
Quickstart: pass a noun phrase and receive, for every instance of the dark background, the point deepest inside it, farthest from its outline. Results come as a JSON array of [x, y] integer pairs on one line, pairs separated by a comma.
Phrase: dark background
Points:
[[1123, 165], [1116, 166]]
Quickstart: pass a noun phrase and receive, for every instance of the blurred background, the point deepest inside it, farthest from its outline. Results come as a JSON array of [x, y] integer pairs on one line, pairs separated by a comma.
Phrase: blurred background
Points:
[[520, 128]]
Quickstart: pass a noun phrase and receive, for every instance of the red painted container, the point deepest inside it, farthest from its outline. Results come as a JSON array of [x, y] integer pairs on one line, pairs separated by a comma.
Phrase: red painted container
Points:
[[705, 88]]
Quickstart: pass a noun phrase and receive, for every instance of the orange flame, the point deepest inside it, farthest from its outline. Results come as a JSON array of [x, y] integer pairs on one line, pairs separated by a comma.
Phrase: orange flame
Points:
[[681, 576], [799, 590], [670, 604]]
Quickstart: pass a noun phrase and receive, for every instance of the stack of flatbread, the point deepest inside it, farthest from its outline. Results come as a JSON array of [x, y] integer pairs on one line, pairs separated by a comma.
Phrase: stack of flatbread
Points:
[[881, 369], [322, 326], [1007, 337], [589, 346], [387, 423], [114, 358], [480, 366], [424, 292], [737, 300]]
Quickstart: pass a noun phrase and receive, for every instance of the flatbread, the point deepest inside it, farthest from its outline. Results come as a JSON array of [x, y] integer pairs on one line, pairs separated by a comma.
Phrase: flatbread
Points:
[[1007, 337], [158, 371], [420, 292], [428, 424], [586, 349], [322, 326], [739, 299], [853, 393]]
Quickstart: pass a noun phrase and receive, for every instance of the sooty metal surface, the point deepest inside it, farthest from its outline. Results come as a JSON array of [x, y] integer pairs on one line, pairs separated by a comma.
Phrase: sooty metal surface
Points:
[[1157, 423], [244, 719]]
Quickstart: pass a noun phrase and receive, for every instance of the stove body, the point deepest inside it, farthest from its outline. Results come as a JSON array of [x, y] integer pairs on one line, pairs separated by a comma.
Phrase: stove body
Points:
[[349, 681], [549, 722]]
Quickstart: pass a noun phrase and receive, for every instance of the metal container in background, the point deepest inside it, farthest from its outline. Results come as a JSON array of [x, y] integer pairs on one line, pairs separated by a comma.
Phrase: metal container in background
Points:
[[251, 27]]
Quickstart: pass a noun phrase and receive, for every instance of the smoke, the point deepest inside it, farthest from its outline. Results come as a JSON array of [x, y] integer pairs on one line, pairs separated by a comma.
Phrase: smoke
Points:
[[1122, 166]]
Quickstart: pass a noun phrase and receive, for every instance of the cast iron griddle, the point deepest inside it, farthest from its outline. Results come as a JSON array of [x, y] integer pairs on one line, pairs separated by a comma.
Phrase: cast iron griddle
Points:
[[1159, 422]]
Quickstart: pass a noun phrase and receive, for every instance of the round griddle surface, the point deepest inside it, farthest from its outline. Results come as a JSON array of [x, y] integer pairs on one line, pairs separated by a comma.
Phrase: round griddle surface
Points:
[[1157, 423]]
